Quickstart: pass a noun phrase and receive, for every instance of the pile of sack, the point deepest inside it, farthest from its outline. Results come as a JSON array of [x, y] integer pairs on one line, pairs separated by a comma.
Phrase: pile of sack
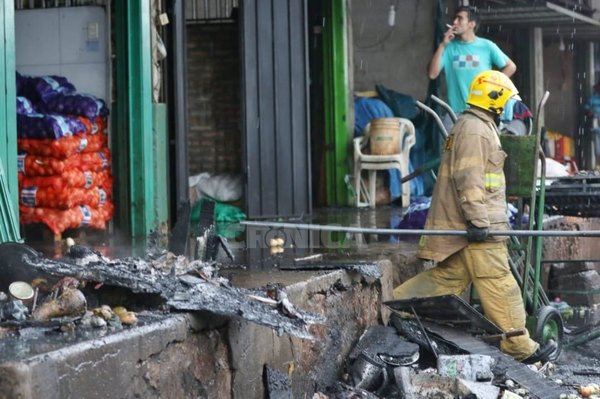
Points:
[[63, 161]]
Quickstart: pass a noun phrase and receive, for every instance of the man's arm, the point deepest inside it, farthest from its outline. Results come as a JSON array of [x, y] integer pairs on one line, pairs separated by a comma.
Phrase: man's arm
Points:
[[510, 68], [435, 64]]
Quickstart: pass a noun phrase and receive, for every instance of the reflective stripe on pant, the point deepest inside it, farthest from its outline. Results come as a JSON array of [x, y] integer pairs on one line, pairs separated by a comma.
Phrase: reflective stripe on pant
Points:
[[486, 265]]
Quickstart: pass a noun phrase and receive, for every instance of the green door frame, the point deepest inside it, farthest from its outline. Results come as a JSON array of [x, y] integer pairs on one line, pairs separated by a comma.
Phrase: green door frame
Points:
[[133, 130], [134, 133], [9, 200], [335, 89]]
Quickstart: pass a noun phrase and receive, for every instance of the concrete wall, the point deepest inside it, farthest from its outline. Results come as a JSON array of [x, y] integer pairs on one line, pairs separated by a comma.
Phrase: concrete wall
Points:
[[576, 283], [351, 305], [395, 57]]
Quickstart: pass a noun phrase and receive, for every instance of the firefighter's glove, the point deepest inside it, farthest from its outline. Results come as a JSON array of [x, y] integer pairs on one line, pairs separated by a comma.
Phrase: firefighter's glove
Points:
[[477, 234]]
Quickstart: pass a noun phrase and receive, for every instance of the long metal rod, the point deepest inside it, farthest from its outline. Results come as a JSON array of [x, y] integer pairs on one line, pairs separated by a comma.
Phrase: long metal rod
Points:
[[429, 343], [569, 260], [371, 230]]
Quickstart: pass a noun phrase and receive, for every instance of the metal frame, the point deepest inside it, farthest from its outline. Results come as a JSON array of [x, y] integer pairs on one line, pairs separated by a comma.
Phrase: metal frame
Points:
[[8, 108], [177, 103], [134, 133], [335, 89], [141, 155], [9, 187]]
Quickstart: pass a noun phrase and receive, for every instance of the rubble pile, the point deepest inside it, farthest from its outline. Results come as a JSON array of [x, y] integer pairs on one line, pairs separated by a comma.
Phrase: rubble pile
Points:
[[413, 357], [409, 360], [64, 290]]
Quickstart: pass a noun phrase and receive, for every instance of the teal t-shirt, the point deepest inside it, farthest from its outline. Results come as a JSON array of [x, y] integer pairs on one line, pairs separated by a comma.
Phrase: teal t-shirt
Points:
[[462, 61]]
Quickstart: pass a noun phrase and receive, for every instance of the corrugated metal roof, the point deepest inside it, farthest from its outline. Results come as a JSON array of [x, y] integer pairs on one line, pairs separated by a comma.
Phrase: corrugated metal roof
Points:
[[552, 17]]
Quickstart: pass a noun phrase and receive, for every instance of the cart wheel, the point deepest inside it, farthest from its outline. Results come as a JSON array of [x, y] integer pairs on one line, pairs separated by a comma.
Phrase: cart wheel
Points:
[[549, 325]]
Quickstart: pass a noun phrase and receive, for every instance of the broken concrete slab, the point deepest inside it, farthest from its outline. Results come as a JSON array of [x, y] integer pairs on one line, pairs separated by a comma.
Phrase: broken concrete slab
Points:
[[402, 377], [480, 390], [571, 247], [432, 385], [510, 395], [506, 366], [567, 268], [580, 289], [473, 367]]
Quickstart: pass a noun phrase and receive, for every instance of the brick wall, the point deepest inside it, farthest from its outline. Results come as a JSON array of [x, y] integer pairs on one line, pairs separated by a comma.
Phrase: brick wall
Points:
[[214, 137]]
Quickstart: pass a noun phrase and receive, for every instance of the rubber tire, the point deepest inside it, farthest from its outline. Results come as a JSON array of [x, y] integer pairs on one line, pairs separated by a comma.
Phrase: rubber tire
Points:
[[549, 325]]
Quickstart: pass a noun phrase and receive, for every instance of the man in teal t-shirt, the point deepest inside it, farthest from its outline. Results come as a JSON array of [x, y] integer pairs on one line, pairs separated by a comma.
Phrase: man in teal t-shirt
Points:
[[462, 55]]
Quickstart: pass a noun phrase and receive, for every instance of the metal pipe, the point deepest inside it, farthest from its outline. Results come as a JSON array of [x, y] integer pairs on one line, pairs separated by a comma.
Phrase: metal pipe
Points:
[[436, 117], [371, 230], [568, 260], [445, 105], [583, 338], [537, 272], [429, 343]]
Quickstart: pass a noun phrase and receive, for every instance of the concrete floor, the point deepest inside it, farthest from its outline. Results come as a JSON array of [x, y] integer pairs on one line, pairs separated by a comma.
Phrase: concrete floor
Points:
[[255, 263]]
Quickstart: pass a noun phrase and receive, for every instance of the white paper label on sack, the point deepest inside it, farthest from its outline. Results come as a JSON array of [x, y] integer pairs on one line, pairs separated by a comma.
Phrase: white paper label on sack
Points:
[[28, 196], [104, 160], [102, 196], [86, 213], [89, 179], [82, 144], [21, 163]]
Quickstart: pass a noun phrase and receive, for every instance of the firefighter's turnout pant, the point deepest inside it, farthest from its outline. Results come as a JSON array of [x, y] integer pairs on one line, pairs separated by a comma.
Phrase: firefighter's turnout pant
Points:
[[486, 265]]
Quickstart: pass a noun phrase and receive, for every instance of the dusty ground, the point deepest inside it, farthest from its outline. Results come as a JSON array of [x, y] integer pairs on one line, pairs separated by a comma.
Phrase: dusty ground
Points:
[[580, 359]]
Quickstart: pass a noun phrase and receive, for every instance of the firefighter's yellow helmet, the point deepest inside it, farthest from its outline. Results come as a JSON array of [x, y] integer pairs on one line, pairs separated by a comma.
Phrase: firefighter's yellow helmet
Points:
[[491, 90]]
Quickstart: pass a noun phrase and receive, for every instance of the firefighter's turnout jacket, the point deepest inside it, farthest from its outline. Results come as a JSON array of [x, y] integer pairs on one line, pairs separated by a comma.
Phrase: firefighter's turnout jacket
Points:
[[470, 188], [470, 185]]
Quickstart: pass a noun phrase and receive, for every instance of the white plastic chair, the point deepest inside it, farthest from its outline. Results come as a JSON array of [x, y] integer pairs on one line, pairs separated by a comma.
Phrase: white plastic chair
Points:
[[373, 163]]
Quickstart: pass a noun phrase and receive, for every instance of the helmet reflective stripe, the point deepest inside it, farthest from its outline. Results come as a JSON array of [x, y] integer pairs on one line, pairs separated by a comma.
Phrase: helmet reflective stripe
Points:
[[494, 83]]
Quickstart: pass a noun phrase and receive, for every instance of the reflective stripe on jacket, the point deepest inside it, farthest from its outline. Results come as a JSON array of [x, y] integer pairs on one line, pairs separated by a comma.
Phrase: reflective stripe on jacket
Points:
[[470, 185]]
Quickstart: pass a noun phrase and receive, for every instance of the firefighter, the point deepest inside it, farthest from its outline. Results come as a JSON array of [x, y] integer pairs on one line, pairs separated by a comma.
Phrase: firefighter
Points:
[[470, 195]]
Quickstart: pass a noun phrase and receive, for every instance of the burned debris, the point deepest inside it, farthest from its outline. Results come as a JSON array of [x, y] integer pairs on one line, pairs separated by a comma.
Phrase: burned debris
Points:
[[168, 282], [444, 349], [386, 364], [411, 357]]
